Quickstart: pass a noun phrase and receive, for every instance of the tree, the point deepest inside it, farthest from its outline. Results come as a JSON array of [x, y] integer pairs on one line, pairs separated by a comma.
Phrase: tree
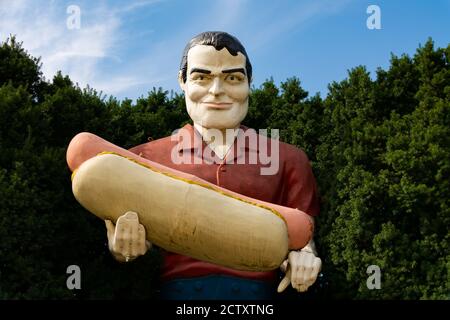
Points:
[[381, 171], [380, 151], [21, 69]]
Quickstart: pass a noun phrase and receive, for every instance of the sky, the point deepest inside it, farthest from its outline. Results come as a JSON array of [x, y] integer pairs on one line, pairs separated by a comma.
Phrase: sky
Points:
[[125, 48]]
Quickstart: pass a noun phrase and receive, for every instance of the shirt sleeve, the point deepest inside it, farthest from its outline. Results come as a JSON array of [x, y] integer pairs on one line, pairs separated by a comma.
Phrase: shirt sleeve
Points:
[[300, 184]]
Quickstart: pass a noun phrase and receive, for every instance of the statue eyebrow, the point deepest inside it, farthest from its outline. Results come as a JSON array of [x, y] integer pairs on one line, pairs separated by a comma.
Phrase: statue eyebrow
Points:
[[200, 71], [241, 70]]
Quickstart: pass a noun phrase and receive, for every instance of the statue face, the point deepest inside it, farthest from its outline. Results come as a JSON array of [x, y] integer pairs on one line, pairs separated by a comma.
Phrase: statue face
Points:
[[216, 87]]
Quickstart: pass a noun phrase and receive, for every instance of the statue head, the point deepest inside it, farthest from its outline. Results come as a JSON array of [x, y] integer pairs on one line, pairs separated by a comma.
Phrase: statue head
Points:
[[215, 75]]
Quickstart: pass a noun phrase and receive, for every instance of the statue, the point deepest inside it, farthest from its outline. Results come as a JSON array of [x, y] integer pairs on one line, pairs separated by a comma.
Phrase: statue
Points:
[[215, 75]]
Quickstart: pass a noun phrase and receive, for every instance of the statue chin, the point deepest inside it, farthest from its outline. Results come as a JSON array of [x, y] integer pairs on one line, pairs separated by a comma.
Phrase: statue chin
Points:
[[230, 120]]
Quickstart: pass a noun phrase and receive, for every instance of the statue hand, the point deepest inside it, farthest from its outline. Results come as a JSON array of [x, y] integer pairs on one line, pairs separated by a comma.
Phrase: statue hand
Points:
[[126, 240], [302, 268]]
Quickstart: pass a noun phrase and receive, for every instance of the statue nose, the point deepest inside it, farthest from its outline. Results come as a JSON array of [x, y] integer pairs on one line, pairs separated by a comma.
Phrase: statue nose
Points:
[[216, 87]]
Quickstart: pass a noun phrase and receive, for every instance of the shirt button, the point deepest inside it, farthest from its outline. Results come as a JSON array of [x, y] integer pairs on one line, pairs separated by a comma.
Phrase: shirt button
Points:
[[223, 169]]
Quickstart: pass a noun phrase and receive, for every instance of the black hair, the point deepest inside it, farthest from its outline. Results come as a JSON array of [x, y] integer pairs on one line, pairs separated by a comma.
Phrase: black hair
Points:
[[218, 40]]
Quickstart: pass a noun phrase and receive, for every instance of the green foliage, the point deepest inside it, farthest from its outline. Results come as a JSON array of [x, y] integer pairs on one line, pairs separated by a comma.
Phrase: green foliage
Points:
[[379, 149], [383, 169], [43, 230], [21, 69]]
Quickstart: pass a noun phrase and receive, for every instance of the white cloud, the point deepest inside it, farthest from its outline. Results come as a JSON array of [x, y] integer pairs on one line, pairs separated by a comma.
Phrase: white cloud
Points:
[[227, 14], [109, 51], [138, 4], [80, 53], [93, 54], [280, 20], [118, 84]]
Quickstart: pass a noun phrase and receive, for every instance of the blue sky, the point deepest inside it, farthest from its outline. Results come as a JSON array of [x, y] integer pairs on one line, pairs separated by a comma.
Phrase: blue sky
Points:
[[124, 48]]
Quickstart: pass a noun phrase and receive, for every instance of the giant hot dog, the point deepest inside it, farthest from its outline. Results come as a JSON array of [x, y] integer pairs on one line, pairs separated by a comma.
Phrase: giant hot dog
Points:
[[181, 212]]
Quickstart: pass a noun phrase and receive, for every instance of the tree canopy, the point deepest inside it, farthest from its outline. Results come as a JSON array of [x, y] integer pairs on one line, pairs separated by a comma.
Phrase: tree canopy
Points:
[[379, 147]]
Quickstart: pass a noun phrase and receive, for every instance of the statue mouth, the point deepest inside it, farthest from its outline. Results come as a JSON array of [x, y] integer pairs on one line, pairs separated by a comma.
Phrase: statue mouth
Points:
[[218, 105]]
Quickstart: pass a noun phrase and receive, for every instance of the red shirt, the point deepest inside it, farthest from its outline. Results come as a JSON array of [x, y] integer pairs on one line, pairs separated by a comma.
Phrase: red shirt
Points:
[[293, 185]]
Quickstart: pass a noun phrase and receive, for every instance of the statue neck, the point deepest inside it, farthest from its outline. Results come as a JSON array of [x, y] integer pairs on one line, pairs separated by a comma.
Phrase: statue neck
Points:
[[219, 140]]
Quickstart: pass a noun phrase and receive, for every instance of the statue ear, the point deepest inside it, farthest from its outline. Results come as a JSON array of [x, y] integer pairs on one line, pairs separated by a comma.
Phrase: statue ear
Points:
[[180, 80]]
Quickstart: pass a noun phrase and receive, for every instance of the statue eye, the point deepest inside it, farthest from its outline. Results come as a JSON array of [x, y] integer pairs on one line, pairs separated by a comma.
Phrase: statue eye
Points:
[[199, 77], [233, 78]]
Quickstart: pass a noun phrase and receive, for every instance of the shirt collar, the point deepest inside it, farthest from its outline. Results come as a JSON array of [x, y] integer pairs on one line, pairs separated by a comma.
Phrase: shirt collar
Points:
[[189, 139]]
